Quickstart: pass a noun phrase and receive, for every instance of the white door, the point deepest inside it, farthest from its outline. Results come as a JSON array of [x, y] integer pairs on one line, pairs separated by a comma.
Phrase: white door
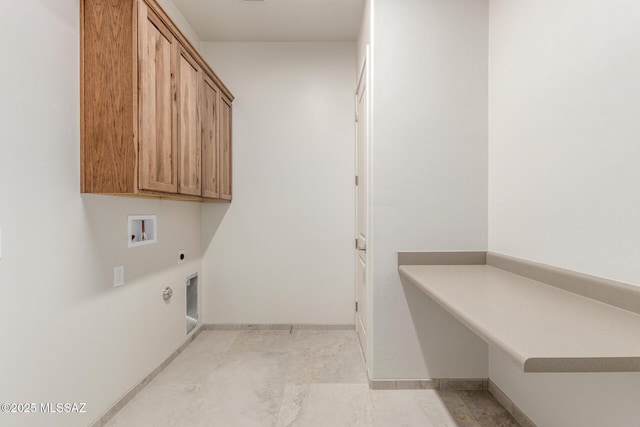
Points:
[[362, 155]]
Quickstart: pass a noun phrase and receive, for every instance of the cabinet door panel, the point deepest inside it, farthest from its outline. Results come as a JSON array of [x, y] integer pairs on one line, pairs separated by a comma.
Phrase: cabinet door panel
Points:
[[189, 147], [210, 140], [157, 150], [225, 148]]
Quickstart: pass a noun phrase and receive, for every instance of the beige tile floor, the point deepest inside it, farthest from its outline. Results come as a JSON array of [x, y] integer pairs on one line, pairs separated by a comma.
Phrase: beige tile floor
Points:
[[282, 379]]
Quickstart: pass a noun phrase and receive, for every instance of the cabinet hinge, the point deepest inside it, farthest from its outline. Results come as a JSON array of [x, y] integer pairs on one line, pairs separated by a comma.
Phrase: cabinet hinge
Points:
[[356, 305], [357, 117], [356, 179], [356, 243]]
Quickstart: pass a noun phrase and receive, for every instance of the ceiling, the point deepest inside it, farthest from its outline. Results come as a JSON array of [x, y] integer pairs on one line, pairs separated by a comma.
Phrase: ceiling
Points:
[[273, 20]]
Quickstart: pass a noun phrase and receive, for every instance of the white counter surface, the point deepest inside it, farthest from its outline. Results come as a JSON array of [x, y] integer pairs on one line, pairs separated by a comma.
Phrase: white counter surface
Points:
[[543, 328]]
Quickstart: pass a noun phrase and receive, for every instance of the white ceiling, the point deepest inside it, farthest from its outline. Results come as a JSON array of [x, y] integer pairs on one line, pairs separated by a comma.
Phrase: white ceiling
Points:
[[273, 20]]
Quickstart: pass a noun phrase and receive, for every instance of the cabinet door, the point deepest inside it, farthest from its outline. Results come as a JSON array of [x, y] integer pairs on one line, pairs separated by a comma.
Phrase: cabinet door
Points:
[[210, 140], [189, 147], [225, 148], [157, 160]]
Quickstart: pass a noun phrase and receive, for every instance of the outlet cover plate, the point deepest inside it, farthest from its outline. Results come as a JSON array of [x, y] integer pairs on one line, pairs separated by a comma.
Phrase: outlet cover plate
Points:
[[118, 276]]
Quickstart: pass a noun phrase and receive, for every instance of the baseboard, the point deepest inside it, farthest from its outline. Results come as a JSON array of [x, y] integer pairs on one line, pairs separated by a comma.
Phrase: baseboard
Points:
[[511, 407], [275, 327], [456, 384], [116, 407], [432, 384]]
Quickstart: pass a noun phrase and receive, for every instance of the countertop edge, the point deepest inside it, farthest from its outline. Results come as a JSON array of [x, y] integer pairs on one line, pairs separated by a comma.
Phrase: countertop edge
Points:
[[529, 364], [465, 320]]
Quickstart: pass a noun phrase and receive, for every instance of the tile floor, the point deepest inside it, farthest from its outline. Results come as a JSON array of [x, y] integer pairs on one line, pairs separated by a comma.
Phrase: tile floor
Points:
[[282, 379]]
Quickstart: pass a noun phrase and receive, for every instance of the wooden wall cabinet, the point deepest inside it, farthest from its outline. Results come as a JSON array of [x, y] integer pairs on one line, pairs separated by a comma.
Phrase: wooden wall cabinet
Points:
[[157, 144], [155, 119], [225, 147], [189, 142], [210, 139]]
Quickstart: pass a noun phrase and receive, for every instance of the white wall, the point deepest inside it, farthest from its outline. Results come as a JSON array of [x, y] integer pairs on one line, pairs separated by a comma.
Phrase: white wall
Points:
[[429, 175], [179, 19], [67, 335], [282, 252], [565, 103], [365, 36], [569, 399], [563, 173]]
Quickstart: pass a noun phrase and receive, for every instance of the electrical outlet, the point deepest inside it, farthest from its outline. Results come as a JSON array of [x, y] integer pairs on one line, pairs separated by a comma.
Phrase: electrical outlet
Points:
[[118, 276]]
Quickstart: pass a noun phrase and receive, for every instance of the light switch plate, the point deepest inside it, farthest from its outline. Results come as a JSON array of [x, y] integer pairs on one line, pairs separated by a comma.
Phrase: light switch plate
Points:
[[118, 275], [181, 257]]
